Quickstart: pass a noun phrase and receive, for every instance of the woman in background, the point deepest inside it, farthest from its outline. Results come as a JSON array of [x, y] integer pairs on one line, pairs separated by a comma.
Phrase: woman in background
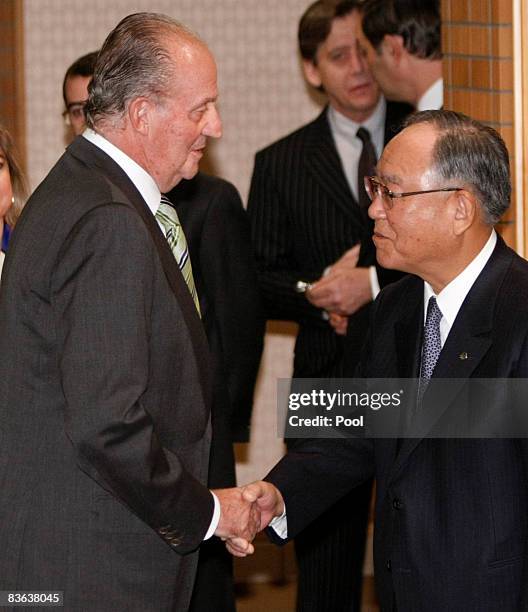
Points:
[[12, 186]]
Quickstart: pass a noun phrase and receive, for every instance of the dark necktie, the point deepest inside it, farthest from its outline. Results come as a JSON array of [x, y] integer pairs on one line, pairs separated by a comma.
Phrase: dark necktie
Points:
[[431, 345], [366, 166]]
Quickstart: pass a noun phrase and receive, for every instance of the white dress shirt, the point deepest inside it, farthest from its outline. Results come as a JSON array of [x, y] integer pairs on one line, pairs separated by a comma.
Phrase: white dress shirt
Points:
[[452, 296], [449, 300], [349, 147], [433, 98], [150, 192], [2, 257]]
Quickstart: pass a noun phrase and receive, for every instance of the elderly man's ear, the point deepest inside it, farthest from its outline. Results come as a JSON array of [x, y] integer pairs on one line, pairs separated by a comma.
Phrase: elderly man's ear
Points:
[[138, 114], [466, 210]]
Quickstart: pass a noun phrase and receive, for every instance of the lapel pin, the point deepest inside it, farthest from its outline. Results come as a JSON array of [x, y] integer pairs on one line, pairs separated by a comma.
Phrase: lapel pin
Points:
[[463, 356]]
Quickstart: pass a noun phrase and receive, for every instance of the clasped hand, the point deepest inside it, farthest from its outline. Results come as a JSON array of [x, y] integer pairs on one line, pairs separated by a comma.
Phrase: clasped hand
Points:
[[343, 290], [244, 512]]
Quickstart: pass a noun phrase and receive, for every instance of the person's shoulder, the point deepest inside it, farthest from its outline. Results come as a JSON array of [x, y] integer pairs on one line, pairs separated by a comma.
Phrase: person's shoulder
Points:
[[71, 186], [402, 291], [294, 139], [211, 182], [395, 116], [517, 275], [203, 187]]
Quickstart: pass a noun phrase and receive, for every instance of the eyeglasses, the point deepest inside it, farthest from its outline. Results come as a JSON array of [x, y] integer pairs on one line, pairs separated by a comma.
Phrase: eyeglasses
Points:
[[74, 112], [375, 188]]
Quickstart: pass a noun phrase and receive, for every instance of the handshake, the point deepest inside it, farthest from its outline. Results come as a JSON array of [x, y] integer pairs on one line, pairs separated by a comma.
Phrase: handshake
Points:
[[244, 511]]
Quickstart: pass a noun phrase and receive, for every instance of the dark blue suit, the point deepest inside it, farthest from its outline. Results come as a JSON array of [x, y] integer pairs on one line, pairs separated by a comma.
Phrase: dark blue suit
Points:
[[451, 514]]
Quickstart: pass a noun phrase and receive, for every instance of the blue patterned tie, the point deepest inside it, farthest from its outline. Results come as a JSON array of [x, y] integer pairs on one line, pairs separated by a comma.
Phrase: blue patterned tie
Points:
[[168, 218], [431, 345]]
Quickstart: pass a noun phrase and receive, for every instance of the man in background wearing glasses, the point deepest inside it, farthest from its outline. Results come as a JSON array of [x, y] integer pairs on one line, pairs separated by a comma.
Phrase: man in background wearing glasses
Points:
[[451, 524], [75, 92]]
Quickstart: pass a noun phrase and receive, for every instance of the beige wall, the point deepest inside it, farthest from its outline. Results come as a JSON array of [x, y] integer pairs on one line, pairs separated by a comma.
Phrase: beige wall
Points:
[[262, 97], [262, 94]]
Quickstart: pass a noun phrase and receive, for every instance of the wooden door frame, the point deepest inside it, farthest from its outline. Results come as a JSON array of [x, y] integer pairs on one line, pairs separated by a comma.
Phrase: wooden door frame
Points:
[[520, 87]]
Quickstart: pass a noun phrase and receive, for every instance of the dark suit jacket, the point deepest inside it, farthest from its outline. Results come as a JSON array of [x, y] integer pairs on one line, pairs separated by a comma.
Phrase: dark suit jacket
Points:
[[217, 231], [303, 218], [104, 399], [451, 514]]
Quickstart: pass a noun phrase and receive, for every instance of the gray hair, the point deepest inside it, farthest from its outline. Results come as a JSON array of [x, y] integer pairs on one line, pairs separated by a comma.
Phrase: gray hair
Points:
[[471, 154], [133, 62]]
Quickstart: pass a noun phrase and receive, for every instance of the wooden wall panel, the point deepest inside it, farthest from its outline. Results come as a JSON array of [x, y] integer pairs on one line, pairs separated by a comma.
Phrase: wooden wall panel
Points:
[[478, 71], [12, 107]]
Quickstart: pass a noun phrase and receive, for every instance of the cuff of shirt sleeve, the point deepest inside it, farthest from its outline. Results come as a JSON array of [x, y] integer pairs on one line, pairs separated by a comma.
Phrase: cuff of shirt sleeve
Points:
[[216, 518], [374, 283], [280, 525]]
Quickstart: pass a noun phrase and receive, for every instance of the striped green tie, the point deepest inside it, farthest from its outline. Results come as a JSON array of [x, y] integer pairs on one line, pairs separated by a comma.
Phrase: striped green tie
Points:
[[168, 219]]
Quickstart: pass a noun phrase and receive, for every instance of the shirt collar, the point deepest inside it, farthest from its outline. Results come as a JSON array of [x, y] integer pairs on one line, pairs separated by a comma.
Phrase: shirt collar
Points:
[[345, 127], [433, 98], [142, 180], [452, 296]]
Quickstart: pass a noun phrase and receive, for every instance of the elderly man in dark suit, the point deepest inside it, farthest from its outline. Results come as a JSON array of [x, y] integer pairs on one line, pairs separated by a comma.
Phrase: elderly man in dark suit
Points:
[[451, 524], [104, 378], [310, 228]]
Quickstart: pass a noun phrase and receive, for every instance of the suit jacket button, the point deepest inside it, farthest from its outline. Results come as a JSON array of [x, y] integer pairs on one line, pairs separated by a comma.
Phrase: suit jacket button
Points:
[[397, 504], [388, 565]]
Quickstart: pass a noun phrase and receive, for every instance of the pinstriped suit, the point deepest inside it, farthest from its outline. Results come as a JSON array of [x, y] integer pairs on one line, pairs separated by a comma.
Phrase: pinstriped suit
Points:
[[303, 218]]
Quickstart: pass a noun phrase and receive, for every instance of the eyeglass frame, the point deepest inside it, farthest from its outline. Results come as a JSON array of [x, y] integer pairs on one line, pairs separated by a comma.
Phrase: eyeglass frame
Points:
[[394, 194]]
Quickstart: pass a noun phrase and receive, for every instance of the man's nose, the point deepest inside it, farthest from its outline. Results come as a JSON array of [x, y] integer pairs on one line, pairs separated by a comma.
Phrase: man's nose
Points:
[[213, 127], [376, 209], [357, 62]]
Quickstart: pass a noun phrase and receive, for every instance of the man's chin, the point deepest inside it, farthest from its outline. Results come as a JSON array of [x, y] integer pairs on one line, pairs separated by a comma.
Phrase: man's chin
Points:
[[191, 171], [384, 259]]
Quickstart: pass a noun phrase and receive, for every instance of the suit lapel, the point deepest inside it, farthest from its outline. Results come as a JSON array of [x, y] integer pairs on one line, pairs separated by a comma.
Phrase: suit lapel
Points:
[[94, 157], [323, 163], [408, 333], [396, 114], [468, 342]]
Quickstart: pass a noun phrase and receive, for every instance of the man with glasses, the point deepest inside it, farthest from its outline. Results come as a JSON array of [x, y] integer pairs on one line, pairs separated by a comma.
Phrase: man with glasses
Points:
[[75, 92], [451, 526]]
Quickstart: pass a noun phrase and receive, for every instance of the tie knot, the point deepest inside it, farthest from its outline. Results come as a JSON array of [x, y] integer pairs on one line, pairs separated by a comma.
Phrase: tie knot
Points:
[[165, 200], [363, 135], [166, 213], [434, 314]]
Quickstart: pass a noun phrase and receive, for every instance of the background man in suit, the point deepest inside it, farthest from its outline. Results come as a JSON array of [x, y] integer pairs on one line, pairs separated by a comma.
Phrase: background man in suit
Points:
[[217, 231], [308, 213], [401, 40], [104, 378], [451, 527]]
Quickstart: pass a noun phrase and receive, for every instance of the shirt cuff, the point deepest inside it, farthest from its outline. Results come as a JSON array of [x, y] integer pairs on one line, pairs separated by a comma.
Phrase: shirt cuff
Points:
[[216, 518], [374, 283], [280, 525]]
